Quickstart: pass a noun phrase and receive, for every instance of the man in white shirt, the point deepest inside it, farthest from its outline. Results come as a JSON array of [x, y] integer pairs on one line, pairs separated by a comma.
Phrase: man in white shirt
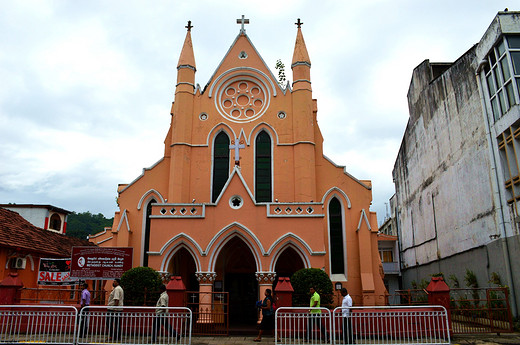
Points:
[[346, 304], [161, 316], [115, 302]]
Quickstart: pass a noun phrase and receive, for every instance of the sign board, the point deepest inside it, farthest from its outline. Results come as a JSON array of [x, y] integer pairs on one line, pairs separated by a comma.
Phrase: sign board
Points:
[[55, 272], [100, 262]]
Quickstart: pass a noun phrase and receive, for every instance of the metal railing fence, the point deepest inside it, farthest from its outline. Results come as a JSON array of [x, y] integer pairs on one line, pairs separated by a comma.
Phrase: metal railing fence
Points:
[[37, 324], [363, 325], [47, 324], [480, 310], [210, 312], [134, 325]]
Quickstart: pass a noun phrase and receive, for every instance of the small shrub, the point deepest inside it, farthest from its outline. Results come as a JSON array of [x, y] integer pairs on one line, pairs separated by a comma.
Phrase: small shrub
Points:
[[454, 280], [141, 286], [304, 279]]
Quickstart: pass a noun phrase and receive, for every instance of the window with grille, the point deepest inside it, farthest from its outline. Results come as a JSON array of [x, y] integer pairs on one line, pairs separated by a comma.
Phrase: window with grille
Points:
[[263, 184], [220, 164]]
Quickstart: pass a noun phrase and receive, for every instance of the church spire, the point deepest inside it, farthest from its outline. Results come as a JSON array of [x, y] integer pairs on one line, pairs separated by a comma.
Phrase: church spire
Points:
[[187, 58], [301, 63]]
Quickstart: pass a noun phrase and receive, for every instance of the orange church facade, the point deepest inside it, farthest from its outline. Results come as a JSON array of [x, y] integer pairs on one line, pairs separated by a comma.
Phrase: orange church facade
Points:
[[244, 194]]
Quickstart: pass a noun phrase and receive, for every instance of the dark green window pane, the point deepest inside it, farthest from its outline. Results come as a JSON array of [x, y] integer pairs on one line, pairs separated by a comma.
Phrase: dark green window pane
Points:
[[337, 257], [263, 168], [492, 57], [491, 85], [498, 81], [496, 111], [220, 164], [515, 56], [503, 107], [510, 94], [505, 69], [501, 48], [514, 42]]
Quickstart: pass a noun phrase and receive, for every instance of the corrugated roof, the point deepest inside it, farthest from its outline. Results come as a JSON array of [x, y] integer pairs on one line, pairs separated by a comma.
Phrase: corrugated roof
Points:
[[18, 233]]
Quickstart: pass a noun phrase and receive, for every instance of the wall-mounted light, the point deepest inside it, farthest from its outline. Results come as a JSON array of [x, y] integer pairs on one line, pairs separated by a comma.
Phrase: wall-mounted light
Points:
[[338, 286]]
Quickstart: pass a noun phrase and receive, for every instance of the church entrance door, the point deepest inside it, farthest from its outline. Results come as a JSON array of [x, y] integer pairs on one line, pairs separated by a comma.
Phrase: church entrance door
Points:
[[236, 267]]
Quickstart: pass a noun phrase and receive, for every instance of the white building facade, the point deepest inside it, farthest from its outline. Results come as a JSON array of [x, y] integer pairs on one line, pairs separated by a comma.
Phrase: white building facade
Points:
[[457, 172]]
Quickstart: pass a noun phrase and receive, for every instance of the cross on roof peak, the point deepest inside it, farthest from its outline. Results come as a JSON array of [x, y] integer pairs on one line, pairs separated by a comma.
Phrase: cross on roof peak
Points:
[[299, 23], [242, 21], [189, 26]]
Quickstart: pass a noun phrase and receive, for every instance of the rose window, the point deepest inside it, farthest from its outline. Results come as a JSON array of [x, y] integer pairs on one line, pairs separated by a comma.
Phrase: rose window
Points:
[[242, 99]]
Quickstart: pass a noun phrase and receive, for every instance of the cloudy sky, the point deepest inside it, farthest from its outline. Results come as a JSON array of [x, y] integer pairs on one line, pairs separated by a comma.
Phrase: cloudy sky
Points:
[[86, 86]]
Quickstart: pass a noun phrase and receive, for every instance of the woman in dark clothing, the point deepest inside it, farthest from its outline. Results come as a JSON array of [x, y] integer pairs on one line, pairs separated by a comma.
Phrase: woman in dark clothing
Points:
[[267, 314]]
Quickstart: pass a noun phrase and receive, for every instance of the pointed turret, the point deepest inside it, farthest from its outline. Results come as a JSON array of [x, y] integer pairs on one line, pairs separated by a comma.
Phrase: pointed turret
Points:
[[303, 121], [186, 67], [181, 124], [301, 63]]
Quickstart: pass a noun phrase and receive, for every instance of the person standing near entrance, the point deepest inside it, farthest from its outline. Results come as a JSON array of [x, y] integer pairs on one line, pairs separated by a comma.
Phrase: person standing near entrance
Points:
[[161, 316], [346, 304], [115, 303], [85, 302], [267, 314], [315, 316]]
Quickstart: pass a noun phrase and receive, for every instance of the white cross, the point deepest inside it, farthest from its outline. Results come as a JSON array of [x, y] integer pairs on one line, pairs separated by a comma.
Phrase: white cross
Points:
[[242, 21], [237, 146]]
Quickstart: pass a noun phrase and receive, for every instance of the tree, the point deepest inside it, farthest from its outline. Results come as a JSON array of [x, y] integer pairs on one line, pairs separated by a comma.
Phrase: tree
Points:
[[141, 286], [303, 279], [82, 224]]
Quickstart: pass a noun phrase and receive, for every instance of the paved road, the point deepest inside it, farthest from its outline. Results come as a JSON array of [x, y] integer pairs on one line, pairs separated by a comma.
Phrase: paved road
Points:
[[480, 339]]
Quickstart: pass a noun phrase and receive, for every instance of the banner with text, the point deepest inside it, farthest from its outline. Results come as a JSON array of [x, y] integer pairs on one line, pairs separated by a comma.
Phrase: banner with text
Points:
[[100, 263], [55, 272]]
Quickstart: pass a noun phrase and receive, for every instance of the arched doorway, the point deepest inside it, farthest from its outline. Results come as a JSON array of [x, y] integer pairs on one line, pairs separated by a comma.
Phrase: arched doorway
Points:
[[182, 264], [288, 262], [235, 268]]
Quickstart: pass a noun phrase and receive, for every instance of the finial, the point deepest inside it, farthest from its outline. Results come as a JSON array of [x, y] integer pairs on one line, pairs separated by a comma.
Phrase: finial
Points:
[[242, 21], [189, 26], [299, 23]]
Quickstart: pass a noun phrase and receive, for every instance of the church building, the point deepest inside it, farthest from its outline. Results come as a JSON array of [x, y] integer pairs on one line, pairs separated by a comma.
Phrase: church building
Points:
[[244, 194]]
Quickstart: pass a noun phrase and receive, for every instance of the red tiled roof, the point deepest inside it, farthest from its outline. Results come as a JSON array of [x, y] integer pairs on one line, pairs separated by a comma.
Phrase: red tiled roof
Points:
[[16, 232]]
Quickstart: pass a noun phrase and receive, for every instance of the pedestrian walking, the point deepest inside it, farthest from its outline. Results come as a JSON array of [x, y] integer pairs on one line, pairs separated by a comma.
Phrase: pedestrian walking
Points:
[[160, 320], [346, 304], [84, 303], [115, 304]]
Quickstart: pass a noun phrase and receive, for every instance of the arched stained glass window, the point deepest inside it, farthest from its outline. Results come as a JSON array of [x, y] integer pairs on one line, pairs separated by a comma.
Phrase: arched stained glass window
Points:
[[337, 256], [220, 164], [263, 178]]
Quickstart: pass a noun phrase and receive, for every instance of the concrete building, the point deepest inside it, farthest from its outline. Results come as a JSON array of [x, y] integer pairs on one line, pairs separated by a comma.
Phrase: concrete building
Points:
[[388, 245], [457, 172]]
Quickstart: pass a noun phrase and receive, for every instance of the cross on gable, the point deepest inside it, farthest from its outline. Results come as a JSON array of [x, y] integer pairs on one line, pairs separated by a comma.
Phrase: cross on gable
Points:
[[189, 26], [299, 23], [237, 146], [242, 21]]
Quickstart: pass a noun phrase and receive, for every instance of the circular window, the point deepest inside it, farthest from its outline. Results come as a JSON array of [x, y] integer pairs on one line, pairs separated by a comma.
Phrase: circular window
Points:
[[281, 115], [236, 202], [242, 98], [203, 117]]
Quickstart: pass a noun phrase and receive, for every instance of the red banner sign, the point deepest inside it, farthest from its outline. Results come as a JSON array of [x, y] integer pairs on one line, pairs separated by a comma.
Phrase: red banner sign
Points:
[[100, 262]]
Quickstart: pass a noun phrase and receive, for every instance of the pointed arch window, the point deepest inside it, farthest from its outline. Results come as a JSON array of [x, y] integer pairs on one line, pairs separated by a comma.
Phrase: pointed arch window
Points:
[[337, 255], [263, 178], [146, 245], [220, 164]]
